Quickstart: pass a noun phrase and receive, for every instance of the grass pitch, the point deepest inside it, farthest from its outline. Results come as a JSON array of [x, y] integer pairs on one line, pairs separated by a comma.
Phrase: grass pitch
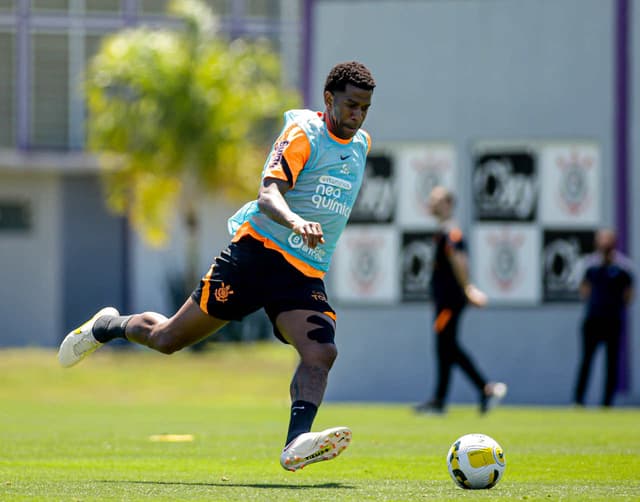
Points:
[[136, 425]]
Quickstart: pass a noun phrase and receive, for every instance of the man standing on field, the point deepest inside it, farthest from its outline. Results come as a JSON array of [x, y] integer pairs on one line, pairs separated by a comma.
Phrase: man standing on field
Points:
[[607, 289], [281, 248]]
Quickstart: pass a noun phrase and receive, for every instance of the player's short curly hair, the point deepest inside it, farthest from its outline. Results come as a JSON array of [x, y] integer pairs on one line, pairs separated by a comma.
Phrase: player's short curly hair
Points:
[[350, 72]]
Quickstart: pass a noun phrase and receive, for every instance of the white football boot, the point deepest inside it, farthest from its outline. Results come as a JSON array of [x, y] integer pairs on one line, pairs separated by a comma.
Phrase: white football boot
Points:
[[312, 447], [80, 342]]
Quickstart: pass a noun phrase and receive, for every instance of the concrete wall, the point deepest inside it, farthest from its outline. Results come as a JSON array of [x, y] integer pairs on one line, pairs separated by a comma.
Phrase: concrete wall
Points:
[[66, 265], [93, 252], [464, 71], [30, 275]]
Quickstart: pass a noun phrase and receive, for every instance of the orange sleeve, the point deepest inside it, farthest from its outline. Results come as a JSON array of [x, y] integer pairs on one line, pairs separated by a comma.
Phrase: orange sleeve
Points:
[[455, 241], [455, 235], [289, 155]]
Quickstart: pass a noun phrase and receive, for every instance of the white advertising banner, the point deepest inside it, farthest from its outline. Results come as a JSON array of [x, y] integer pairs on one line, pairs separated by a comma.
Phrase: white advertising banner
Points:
[[419, 168], [365, 265], [506, 262], [570, 194]]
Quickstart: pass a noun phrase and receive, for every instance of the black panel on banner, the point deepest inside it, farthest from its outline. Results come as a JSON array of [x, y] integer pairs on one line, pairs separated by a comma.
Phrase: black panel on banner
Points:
[[505, 186], [417, 261], [376, 202], [562, 256]]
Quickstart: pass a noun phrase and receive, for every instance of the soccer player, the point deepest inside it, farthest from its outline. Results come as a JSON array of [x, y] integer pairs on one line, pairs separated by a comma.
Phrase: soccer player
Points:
[[280, 250], [452, 291]]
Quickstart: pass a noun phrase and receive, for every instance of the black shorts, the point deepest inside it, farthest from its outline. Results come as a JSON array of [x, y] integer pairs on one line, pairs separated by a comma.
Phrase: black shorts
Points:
[[247, 277]]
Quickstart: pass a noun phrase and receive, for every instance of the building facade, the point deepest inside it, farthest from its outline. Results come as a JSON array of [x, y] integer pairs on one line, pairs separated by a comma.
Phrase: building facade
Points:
[[62, 253]]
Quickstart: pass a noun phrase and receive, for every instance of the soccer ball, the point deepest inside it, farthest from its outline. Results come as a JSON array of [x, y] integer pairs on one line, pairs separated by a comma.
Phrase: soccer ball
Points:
[[476, 461]]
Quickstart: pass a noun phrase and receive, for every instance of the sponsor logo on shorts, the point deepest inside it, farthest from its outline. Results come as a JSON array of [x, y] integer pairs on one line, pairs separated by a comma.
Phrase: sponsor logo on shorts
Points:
[[318, 296], [222, 293]]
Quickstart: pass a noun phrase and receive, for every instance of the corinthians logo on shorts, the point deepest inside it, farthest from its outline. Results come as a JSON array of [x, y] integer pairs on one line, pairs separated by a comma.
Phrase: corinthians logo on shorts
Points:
[[222, 293]]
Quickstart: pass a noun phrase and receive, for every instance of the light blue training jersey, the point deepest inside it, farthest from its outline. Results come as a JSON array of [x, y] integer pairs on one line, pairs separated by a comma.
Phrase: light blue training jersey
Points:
[[325, 189]]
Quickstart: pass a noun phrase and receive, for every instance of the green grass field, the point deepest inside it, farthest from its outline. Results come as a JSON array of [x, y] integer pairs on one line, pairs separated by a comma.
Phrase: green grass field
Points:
[[84, 434]]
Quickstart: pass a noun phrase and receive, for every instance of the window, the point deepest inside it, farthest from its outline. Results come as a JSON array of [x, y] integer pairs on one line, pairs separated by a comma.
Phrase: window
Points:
[[219, 7], [7, 6], [50, 91], [14, 215], [263, 8], [102, 6], [44, 110], [92, 45], [159, 7], [153, 6], [50, 5], [7, 90]]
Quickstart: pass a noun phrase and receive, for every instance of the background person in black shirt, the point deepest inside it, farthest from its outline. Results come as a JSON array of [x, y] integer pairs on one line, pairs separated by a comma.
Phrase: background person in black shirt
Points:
[[607, 288], [451, 291]]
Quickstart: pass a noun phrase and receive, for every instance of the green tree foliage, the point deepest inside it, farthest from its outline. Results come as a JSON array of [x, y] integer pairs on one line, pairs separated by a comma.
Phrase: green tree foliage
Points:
[[176, 113]]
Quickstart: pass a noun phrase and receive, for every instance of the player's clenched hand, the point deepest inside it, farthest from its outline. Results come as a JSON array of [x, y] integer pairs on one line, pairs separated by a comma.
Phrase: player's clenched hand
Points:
[[476, 297], [310, 231]]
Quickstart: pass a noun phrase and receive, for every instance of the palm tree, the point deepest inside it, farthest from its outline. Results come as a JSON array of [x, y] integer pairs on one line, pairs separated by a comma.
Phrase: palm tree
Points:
[[179, 113]]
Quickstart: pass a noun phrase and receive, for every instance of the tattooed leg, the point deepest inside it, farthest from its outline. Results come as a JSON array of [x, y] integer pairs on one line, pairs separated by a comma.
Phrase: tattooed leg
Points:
[[309, 383], [311, 334]]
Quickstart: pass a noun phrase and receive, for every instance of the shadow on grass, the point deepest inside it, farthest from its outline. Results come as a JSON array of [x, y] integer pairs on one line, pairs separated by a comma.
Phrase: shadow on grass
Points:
[[235, 485]]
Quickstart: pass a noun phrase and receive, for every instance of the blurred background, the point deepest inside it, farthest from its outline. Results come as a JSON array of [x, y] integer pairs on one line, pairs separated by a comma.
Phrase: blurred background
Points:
[[525, 108]]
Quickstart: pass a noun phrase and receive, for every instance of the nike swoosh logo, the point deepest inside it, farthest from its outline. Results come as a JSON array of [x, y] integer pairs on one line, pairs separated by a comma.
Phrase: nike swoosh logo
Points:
[[344, 157]]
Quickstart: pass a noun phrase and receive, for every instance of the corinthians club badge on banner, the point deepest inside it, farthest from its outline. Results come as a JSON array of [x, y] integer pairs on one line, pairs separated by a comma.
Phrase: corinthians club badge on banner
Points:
[[506, 262], [570, 194], [365, 266]]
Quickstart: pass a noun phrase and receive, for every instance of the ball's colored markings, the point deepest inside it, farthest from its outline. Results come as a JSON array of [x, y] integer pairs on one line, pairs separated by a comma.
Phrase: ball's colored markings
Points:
[[493, 478], [480, 458]]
